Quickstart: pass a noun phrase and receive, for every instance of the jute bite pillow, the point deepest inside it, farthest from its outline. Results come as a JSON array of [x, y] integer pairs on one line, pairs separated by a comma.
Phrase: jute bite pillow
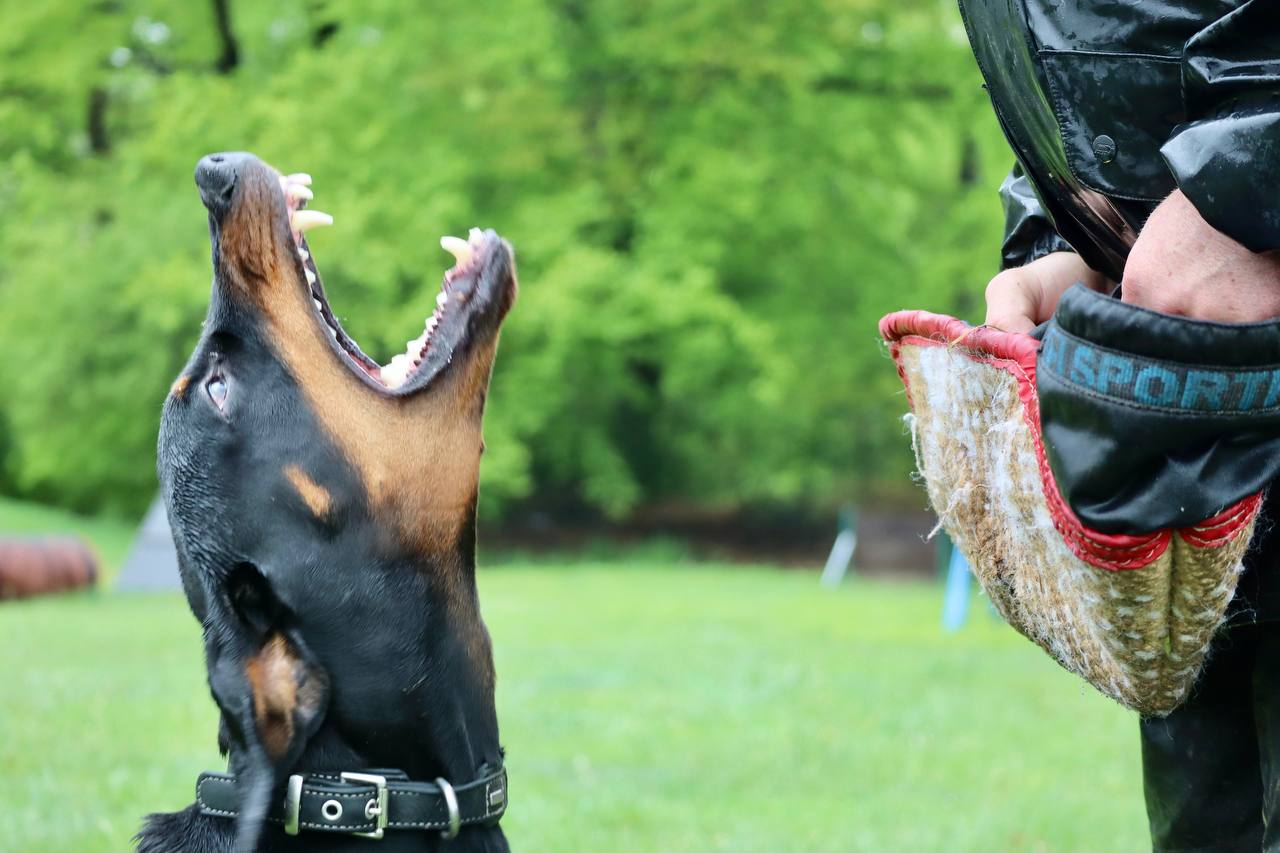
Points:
[[1133, 614]]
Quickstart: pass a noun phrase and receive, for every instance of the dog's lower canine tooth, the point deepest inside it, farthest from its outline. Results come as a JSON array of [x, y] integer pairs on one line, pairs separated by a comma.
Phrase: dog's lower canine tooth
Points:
[[303, 220], [299, 178], [299, 191]]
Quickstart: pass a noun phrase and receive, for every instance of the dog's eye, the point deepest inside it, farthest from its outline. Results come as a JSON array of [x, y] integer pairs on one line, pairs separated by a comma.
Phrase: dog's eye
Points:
[[216, 388]]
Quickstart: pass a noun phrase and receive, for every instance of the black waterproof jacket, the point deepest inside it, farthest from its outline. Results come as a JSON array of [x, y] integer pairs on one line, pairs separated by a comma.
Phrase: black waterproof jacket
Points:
[[1109, 105], [1112, 104]]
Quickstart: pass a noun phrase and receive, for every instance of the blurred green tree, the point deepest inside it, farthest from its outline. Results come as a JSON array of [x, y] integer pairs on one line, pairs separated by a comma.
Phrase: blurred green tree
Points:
[[712, 204]]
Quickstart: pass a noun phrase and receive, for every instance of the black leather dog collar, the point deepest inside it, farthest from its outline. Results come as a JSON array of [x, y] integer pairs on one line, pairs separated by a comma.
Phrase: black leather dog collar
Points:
[[367, 803]]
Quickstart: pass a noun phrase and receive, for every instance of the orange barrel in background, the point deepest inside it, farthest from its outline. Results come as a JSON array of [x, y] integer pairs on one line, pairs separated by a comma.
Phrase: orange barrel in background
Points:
[[36, 566]]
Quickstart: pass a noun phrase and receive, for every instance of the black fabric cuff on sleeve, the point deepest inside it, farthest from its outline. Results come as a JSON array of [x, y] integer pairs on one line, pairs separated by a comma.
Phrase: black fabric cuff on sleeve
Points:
[[1152, 421]]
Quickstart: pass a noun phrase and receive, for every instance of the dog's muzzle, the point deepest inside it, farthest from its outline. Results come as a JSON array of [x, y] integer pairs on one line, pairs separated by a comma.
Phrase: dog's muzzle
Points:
[[1104, 484]]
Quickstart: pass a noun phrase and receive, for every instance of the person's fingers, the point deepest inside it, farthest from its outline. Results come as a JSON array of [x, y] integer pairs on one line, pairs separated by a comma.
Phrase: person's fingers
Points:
[[1012, 304], [1020, 299]]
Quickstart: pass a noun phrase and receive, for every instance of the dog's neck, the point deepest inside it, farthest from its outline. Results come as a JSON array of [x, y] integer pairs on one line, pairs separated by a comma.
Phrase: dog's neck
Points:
[[450, 727], [446, 723]]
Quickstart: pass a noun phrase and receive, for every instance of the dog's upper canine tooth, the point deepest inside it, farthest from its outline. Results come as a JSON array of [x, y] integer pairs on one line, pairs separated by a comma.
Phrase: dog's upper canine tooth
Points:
[[474, 235], [303, 220], [457, 247], [299, 191], [299, 178]]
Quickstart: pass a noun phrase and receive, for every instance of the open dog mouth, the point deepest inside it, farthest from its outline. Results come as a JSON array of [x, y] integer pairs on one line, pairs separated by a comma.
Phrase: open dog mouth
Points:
[[475, 288]]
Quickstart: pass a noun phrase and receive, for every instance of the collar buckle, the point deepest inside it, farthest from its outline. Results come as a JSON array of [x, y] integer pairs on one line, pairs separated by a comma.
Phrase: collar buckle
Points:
[[376, 808]]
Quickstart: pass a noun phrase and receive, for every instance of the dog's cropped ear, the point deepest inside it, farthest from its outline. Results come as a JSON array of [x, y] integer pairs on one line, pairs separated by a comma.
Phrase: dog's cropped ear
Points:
[[289, 695], [272, 691]]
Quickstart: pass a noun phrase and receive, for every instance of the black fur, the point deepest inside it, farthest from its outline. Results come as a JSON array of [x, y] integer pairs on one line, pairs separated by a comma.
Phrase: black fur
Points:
[[384, 673]]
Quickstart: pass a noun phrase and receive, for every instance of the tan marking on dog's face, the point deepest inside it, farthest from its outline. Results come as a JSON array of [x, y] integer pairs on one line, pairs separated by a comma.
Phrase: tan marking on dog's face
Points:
[[274, 684], [179, 388], [314, 495], [418, 456]]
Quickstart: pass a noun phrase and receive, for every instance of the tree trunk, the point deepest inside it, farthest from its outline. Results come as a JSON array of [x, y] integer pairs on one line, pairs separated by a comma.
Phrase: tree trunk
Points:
[[96, 122], [230, 57]]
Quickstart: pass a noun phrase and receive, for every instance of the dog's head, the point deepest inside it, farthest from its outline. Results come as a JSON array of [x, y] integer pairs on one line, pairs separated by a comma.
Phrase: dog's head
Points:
[[322, 504]]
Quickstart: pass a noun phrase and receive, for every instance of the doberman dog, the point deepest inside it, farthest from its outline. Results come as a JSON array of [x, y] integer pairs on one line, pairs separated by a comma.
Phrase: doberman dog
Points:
[[323, 507]]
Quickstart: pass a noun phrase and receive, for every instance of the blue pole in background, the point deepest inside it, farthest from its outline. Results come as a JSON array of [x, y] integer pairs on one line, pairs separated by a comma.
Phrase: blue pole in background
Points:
[[955, 598]]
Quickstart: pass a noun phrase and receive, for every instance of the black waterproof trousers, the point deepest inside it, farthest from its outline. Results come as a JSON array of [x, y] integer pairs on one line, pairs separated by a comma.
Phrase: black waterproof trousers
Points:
[[1211, 769]]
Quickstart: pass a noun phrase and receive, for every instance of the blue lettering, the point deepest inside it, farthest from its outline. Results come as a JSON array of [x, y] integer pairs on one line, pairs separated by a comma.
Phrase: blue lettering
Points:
[[1084, 368], [1051, 355], [1115, 374], [1204, 385], [1253, 383], [1156, 386], [1273, 393]]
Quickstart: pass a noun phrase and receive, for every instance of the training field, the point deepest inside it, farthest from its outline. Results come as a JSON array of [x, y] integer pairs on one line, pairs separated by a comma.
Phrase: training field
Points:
[[646, 706]]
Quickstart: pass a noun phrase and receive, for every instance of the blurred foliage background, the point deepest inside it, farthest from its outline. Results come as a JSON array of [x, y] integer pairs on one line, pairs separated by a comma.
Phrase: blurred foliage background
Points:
[[712, 204]]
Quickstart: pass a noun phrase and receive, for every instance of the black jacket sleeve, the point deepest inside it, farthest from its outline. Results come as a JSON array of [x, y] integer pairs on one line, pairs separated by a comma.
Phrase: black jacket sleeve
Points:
[[1226, 158], [1028, 233]]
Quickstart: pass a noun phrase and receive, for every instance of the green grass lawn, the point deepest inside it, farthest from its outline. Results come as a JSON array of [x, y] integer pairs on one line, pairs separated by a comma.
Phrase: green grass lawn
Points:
[[645, 708]]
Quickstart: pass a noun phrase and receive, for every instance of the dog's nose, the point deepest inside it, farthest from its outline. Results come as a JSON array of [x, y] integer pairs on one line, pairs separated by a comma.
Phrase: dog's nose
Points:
[[217, 176]]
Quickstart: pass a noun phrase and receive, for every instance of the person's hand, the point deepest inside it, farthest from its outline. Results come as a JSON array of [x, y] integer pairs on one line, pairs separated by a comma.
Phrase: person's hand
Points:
[[1181, 264], [1020, 299]]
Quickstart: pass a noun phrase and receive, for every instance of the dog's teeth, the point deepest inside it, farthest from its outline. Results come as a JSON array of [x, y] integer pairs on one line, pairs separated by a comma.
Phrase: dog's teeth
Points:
[[475, 235], [442, 299], [299, 178], [459, 248], [395, 372], [298, 191], [303, 253], [319, 306], [311, 277], [333, 333], [304, 220]]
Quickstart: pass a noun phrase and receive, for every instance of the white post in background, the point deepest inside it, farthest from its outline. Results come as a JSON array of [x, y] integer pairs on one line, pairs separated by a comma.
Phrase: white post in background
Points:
[[841, 556]]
